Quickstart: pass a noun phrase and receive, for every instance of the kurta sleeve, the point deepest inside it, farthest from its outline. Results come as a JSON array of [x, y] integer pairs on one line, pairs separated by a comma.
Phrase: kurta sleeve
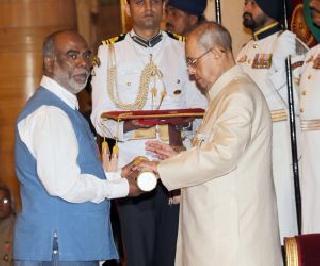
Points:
[[218, 155], [50, 138]]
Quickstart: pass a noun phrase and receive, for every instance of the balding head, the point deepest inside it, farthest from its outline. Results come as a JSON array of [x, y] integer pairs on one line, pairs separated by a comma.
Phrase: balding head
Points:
[[56, 39], [211, 34], [209, 53], [67, 59]]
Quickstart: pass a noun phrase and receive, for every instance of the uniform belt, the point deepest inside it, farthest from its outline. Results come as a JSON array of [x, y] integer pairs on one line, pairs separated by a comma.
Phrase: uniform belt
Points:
[[160, 131], [310, 124], [279, 115]]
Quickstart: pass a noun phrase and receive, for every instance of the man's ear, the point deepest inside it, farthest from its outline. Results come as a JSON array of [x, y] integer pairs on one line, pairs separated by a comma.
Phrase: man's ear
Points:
[[48, 64], [193, 19], [127, 9], [164, 6]]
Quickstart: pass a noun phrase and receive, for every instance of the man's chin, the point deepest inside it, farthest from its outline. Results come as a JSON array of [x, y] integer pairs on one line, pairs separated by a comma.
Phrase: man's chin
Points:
[[248, 24], [202, 86], [77, 86]]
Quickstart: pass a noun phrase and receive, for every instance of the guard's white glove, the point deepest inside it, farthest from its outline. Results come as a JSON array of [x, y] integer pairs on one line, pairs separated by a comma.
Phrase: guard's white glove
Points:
[[285, 45]]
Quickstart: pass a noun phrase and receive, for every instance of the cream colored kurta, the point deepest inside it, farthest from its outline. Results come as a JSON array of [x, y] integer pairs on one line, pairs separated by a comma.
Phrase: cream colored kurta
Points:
[[310, 142], [228, 213]]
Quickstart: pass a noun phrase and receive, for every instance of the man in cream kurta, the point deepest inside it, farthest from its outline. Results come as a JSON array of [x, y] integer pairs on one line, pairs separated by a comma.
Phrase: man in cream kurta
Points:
[[228, 213]]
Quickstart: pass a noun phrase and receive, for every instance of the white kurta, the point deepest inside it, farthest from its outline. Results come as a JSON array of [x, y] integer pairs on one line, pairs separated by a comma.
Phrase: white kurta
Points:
[[49, 128], [228, 212], [310, 142], [272, 84], [131, 59]]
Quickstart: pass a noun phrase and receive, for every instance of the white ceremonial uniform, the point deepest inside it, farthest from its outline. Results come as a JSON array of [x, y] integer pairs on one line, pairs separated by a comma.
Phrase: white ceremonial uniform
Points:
[[49, 129], [228, 212], [310, 141], [256, 59], [149, 238], [131, 59]]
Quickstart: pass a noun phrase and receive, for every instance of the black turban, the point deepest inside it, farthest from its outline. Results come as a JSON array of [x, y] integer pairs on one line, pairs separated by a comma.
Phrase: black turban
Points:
[[195, 7]]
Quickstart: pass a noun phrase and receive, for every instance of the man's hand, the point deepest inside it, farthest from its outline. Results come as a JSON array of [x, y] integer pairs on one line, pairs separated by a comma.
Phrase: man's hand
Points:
[[182, 122], [161, 150], [127, 170], [133, 124], [147, 166], [134, 189], [130, 174]]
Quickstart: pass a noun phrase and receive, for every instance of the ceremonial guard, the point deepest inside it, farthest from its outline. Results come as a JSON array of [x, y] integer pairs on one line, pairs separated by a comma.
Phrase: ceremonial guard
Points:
[[310, 127], [144, 69], [184, 15], [263, 58]]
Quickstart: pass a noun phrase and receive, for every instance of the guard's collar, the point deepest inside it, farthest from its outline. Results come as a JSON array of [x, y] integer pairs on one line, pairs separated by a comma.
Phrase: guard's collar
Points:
[[267, 31], [147, 43]]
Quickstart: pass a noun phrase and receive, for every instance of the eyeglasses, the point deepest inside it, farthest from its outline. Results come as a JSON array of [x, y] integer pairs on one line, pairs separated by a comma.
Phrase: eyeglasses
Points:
[[193, 62]]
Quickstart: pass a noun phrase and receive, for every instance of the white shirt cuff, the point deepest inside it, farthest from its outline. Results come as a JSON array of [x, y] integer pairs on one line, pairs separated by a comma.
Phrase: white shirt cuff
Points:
[[117, 188]]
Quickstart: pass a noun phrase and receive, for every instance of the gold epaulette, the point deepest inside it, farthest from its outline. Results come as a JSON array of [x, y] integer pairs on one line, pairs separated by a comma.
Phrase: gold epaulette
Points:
[[114, 39], [176, 36], [96, 61]]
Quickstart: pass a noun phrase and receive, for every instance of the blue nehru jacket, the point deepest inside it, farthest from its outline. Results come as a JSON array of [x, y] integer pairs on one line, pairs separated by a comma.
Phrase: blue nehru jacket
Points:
[[83, 230], [195, 7]]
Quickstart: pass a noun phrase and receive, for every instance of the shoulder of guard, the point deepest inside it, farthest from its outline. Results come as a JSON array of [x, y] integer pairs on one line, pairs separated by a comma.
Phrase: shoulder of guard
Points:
[[114, 40], [96, 61], [176, 36]]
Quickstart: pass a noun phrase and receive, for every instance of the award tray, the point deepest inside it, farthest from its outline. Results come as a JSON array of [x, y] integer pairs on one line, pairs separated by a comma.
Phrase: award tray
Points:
[[155, 117]]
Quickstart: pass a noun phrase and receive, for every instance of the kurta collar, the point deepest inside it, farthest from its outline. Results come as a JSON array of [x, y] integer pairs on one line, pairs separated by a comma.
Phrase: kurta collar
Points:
[[223, 80], [267, 31], [146, 43], [65, 95]]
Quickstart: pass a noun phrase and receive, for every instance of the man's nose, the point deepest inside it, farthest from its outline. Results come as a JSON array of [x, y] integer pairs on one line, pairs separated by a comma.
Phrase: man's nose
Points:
[[148, 5], [191, 70], [246, 7], [84, 62]]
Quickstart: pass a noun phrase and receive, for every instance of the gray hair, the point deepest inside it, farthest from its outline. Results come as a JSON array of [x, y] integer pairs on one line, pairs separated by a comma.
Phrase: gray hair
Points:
[[48, 45], [211, 34]]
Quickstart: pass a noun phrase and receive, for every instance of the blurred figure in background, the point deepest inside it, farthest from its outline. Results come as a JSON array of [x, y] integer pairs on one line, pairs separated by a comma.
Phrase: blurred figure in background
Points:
[[183, 15]]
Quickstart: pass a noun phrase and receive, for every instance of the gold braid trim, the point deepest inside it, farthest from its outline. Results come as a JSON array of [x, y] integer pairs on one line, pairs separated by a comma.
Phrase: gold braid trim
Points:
[[149, 71]]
